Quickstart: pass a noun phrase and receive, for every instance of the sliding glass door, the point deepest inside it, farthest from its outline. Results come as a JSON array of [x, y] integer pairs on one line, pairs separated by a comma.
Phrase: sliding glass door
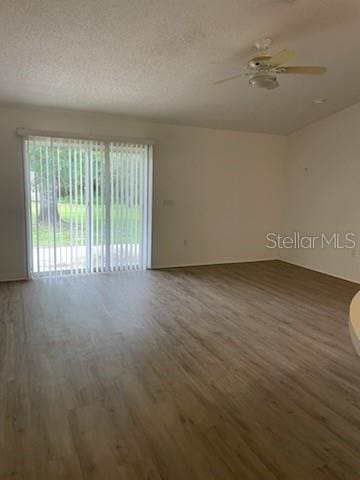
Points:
[[89, 205]]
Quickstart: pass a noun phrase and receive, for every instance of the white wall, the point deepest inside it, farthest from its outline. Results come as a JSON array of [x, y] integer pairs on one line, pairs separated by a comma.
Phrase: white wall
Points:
[[225, 187], [322, 190]]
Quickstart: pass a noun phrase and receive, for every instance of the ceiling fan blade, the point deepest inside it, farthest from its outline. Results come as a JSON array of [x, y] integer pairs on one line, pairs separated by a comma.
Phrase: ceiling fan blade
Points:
[[303, 70], [282, 57], [228, 79]]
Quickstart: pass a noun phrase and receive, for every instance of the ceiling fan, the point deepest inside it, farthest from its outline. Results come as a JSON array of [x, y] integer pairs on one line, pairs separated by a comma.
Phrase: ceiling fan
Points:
[[263, 68]]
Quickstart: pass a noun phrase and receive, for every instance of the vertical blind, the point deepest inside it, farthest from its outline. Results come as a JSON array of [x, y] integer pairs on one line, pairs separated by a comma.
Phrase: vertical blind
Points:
[[89, 205]]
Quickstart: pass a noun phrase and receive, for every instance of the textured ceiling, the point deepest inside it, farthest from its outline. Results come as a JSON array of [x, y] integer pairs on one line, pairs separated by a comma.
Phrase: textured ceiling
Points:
[[155, 58]]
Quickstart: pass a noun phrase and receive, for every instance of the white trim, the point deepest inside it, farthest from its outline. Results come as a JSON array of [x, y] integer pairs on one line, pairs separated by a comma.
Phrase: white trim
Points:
[[209, 264], [318, 270], [14, 278], [23, 132]]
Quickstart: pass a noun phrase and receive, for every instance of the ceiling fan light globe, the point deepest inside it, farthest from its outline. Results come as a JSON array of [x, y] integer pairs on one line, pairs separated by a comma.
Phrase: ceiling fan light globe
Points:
[[267, 81]]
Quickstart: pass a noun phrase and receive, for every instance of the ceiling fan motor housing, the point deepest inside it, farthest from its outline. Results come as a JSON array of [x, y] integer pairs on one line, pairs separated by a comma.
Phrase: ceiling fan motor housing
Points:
[[260, 62]]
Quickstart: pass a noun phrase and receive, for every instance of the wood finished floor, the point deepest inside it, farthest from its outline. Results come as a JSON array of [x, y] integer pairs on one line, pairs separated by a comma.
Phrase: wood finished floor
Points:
[[209, 373]]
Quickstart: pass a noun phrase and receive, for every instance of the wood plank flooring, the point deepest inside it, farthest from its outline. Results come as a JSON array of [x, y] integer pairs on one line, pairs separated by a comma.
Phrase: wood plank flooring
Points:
[[242, 372]]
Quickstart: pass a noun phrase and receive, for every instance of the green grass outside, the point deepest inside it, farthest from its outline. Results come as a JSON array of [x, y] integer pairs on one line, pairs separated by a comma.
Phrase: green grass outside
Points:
[[125, 225]]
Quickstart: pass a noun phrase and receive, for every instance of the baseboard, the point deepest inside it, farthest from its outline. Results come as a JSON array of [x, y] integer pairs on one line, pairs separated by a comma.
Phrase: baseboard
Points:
[[209, 264], [318, 270], [13, 278]]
